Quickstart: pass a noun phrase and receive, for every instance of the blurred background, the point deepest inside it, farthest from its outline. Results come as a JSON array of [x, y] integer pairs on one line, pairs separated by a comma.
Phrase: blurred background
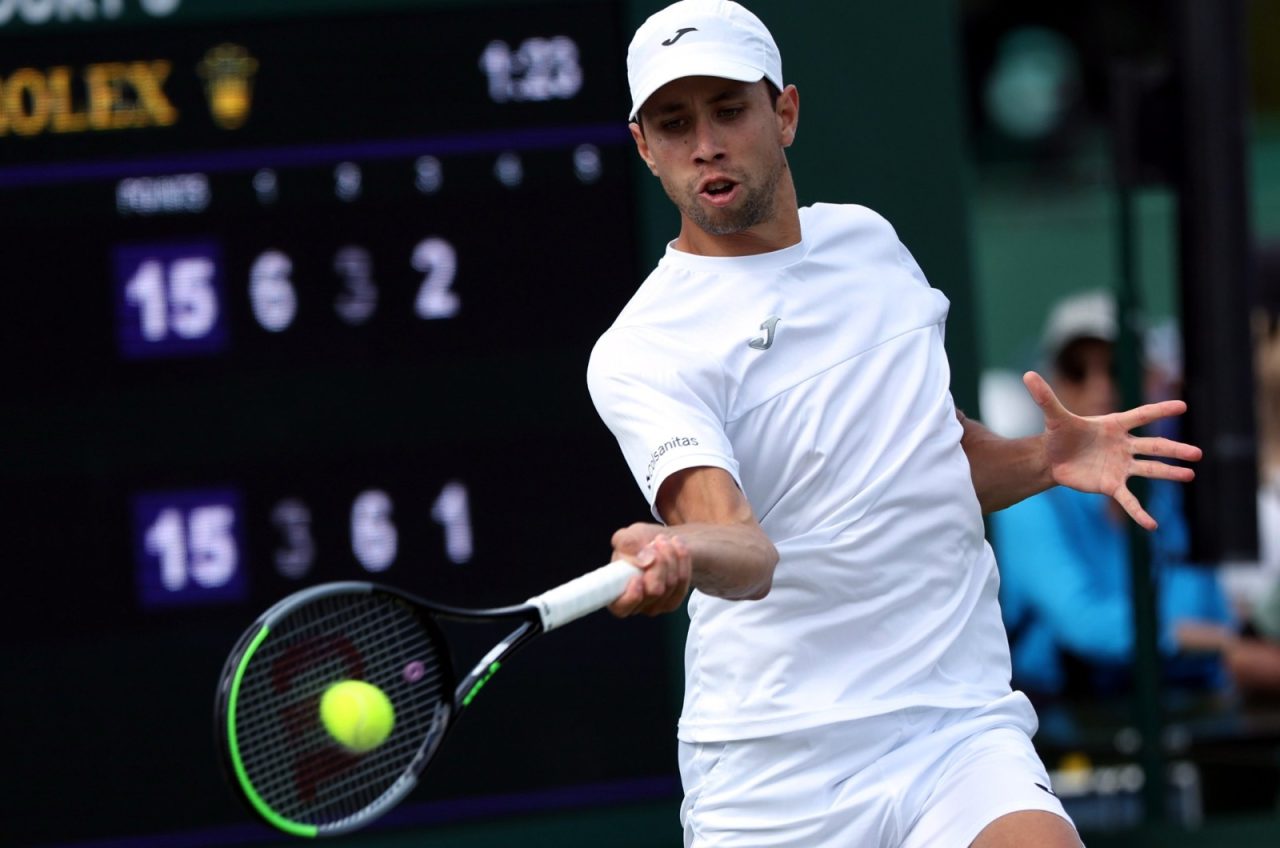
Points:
[[303, 290]]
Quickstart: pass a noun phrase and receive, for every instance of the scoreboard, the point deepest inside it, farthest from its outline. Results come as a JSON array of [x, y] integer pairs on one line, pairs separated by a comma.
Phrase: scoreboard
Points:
[[293, 293]]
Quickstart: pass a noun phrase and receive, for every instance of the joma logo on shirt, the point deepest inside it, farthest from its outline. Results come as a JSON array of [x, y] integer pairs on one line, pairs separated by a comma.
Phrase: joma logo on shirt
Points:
[[662, 449], [764, 341]]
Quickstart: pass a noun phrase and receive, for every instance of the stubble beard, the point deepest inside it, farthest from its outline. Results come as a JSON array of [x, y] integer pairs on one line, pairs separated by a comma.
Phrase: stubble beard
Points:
[[755, 207]]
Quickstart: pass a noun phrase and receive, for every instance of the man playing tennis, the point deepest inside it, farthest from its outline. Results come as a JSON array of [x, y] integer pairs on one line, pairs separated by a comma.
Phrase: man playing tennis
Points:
[[779, 388]]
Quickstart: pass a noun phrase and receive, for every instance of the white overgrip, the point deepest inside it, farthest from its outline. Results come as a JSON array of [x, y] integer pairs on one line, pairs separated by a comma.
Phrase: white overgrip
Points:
[[582, 595]]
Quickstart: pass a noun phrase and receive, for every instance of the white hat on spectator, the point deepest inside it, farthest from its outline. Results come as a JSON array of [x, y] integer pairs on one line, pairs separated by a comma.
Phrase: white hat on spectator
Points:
[[1089, 315]]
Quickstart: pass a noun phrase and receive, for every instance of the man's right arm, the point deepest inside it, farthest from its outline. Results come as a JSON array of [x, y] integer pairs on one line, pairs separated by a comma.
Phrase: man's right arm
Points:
[[711, 542]]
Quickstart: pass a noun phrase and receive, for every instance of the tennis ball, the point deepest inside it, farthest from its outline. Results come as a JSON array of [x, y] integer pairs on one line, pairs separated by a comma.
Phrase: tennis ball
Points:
[[358, 715]]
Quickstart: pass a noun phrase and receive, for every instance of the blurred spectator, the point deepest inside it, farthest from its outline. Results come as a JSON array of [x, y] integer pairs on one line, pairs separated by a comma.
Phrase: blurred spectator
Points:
[[1264, 613], [1254, 588], [1064, 555]]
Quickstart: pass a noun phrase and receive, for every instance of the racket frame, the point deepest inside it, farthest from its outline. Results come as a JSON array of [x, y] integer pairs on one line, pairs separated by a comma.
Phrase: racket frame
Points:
[[541, 613]]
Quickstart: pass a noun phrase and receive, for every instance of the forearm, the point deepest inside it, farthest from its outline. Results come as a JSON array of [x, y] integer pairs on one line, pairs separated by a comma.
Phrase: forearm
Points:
[[1254, 664], [1004, 471], [732, 556], [711, 542], [730, 561]]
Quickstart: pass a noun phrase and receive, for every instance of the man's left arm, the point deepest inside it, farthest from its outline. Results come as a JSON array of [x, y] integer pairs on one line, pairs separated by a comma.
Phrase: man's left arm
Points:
[[1093, 454], [1004, 471]]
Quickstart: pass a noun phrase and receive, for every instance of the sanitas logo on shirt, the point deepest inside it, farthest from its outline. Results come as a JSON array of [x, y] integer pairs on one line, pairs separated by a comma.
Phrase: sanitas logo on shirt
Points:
[[664, 448]]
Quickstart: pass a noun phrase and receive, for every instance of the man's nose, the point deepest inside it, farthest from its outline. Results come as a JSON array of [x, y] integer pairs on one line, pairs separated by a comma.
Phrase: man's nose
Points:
[[707, 146]]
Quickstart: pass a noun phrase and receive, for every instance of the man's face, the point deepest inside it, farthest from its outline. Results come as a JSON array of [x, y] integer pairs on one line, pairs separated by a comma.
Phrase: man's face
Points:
[[717, 146]]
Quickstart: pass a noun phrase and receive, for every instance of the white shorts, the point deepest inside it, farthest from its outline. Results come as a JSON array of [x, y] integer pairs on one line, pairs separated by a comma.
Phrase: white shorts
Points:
[[916, 778]]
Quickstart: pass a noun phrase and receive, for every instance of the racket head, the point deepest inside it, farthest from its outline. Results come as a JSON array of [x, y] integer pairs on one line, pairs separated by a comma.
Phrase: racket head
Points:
[[277, 753]]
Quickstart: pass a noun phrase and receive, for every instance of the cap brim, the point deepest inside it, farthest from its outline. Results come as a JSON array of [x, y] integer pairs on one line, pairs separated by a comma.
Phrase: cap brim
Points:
[[679, 67]]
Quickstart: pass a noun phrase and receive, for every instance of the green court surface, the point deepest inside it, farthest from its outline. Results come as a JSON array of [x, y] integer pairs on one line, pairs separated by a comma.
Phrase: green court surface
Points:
[[656, 825], [649, 825]]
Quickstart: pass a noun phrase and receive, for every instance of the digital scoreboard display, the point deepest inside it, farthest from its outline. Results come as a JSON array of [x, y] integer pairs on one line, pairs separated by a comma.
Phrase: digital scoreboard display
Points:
[[299, 298]]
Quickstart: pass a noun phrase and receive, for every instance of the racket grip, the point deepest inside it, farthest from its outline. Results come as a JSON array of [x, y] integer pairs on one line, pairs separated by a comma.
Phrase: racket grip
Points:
[[582, 595]]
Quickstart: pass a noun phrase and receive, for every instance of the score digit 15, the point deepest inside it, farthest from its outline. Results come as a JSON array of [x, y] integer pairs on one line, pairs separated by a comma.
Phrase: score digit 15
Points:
[[169, 299]]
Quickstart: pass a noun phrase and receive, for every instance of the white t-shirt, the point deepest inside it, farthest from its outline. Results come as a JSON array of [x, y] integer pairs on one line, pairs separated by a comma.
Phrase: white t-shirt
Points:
[[839, 427]]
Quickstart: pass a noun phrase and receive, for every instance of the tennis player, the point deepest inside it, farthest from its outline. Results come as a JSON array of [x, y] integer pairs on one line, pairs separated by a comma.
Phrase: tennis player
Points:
[[779, 388]]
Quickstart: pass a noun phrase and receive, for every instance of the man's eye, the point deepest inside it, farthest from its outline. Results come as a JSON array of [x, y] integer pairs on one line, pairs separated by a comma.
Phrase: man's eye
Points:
[[731, 112], [673, 125]]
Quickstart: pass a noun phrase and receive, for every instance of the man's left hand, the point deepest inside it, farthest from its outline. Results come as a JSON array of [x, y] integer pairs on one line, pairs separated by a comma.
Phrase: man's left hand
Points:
[[1100, 453]]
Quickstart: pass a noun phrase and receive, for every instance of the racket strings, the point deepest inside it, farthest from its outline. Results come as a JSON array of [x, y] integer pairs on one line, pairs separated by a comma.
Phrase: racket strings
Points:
[[294, 766]]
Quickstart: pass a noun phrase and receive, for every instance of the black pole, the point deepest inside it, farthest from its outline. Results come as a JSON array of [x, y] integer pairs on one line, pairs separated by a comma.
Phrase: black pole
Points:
[[1216, 256], [1133, 90]]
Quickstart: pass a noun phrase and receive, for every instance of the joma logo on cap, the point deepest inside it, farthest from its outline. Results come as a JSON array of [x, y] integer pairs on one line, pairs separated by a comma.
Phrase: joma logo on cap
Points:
[[679, 34]]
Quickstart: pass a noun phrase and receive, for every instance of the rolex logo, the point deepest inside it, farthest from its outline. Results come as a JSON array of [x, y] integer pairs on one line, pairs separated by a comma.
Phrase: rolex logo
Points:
[[228, 71]]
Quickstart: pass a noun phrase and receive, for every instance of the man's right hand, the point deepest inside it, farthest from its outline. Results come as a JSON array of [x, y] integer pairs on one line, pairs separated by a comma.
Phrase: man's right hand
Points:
[[667, 570]]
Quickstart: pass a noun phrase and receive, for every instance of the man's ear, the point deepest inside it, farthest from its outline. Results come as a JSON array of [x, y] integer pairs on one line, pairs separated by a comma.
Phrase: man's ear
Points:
[[642, 146], [787, 110]]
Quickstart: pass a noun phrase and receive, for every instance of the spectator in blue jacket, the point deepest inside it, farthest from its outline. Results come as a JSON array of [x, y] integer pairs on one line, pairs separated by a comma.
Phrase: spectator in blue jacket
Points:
[[1064, 555]]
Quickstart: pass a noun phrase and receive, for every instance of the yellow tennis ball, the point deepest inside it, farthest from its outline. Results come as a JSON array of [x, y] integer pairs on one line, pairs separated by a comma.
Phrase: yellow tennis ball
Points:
[[358, 715]]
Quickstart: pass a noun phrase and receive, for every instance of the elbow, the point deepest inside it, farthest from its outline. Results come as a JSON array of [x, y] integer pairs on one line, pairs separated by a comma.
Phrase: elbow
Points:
[[763, 582]]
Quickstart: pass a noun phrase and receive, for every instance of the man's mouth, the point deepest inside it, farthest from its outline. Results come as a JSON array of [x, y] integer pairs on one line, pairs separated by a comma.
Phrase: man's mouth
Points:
[[719, 192]]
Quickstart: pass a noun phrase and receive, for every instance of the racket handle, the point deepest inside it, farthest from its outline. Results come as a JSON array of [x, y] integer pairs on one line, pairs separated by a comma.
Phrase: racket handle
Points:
[[586, 594]]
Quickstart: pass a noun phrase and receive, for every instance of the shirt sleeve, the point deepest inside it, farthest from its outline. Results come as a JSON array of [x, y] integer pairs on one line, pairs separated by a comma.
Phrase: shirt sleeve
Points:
[[663, 402]]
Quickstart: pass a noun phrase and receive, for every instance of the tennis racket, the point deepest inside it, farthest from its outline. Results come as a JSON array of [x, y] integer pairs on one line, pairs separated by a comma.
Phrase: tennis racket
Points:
[[278, 755]]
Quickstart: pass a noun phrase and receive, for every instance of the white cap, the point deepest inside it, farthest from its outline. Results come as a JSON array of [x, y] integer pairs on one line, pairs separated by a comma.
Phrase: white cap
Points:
[[1091, 315], [700, 38]]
